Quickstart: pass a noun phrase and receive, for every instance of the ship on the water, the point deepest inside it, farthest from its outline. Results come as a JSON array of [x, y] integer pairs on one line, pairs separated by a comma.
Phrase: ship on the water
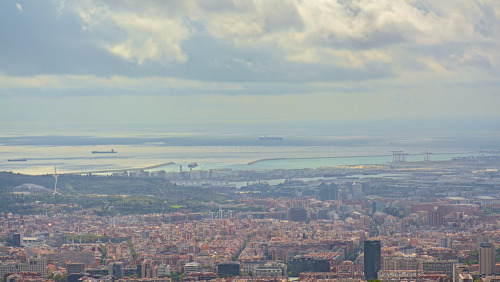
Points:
[[105, 152], [17, 160], [270, 138]]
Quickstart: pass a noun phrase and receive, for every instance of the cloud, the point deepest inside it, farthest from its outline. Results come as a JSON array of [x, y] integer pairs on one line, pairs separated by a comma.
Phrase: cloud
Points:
[[283, 41], [147, 35], [248, 60], [109, 86]]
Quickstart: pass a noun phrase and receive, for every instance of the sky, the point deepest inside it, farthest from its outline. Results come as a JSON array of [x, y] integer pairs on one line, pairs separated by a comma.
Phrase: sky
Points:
[[228, 61]]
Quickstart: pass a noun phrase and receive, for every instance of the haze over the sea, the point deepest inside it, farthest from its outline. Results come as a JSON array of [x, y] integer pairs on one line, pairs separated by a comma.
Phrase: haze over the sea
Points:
[[353, 76], [237, 145]]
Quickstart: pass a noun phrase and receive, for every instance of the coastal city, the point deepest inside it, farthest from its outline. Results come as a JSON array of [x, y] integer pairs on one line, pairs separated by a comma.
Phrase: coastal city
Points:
[[401, 221], [250, 141]]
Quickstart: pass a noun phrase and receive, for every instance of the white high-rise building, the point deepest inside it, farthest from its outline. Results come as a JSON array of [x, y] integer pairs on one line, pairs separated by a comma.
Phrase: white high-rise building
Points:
[[37, 265], [163, 270], [191, 267]]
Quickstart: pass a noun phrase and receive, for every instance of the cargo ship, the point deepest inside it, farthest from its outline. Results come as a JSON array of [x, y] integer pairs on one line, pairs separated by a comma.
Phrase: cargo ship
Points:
[[105, 152], [17, 160]]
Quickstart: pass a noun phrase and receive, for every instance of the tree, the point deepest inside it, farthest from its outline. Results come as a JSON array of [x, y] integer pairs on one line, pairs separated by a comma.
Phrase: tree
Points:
[[177, 276], [104, 251], [59, 277]]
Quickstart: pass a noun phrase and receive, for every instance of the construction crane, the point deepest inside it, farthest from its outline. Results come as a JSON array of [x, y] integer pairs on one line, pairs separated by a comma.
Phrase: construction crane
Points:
[[398, 156], [192, 165], [427, 156]]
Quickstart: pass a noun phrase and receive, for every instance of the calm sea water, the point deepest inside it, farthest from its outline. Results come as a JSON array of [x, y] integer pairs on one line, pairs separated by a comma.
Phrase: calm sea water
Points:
[[234, 146], [79, 158]]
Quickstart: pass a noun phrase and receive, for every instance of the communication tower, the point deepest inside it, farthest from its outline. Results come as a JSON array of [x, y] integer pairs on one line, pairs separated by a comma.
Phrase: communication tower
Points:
[[55, 177]]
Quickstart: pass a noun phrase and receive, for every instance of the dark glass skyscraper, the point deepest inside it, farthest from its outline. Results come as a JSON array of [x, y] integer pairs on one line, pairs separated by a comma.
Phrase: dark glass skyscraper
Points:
[[328, 192], [372, 259]]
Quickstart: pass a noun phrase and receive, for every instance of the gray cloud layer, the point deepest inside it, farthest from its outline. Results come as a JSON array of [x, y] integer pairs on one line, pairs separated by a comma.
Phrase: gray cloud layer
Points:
[[273, 41]]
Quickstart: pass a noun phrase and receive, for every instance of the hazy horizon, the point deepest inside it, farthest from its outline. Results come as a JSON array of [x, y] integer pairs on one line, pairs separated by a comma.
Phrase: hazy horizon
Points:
[[472, 133]]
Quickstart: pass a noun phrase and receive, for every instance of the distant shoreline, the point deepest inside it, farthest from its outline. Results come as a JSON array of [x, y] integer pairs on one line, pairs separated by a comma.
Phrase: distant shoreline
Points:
[[338, 157], [122, 169]]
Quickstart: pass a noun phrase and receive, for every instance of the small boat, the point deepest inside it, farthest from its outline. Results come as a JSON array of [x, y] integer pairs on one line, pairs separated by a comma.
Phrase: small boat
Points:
[[105, 152], [17, 160]]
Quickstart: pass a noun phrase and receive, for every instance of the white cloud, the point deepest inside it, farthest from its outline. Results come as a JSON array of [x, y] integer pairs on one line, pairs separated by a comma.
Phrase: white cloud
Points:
[[282, 41], [269, 59], [146, 85], [136, 35], [306, 31]]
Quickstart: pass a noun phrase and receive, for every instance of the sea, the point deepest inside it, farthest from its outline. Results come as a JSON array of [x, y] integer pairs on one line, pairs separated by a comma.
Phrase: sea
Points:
[[42, 148]]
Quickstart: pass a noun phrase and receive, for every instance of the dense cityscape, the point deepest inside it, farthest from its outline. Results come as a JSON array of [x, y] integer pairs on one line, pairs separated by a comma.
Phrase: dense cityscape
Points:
[[403, 221], [250, 140]]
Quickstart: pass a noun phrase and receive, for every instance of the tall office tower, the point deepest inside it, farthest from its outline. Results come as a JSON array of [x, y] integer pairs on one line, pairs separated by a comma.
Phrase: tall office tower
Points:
[[298, 214], [18, 239], [372, 259], [357, 191], [486, 259], [148, 269], [447, 242], [481, 239], [328, 191], [116, 269]]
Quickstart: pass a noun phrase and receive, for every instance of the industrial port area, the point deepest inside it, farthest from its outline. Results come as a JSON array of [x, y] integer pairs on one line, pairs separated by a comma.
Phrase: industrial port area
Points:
[[401, 221]]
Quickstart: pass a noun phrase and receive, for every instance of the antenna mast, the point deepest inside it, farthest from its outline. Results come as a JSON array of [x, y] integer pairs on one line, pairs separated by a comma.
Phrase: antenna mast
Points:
[[55, 177]]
